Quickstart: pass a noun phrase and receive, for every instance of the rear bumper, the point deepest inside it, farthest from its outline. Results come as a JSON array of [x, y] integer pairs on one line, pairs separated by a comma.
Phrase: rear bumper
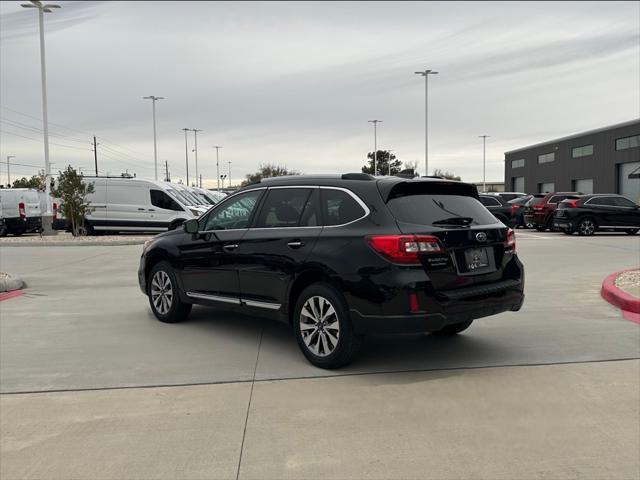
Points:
[[30, 224]]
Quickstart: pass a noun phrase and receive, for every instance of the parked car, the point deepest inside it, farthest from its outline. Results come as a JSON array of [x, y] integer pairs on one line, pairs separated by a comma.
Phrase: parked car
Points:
[[21, 210], [591, 213], [519, 207], [508, 196], [133, 204], [340, 256], [543, 209], [500, 209], [210, 197]]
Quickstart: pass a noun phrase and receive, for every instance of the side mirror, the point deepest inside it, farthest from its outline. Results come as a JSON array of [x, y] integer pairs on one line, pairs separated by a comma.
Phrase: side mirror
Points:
[[191, 226]]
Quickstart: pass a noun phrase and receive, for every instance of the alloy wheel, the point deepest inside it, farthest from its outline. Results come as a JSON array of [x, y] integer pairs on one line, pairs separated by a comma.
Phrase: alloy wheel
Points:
[[319, 326], [161, 292], [587, 227]]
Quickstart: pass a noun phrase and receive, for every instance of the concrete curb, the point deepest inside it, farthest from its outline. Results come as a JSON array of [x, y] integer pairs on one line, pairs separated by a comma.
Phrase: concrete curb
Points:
[[615, 296], [71, 244], [12, 282]]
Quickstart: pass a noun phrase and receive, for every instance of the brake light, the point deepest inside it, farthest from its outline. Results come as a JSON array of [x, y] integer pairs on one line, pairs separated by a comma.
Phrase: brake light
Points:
[[538, 207], [55, 210], [511, 240], [413, 303], [514, 209], [404, 249], [21, 210], [571, 203]]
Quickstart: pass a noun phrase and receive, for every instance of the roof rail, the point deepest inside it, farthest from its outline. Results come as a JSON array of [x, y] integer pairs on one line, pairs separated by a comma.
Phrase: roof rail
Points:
[[357, 176]]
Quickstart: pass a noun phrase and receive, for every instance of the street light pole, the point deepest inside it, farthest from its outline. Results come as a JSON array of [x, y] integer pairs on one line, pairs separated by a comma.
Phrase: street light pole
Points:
[[195, 146], [9, 157], [389, 160], [484, 163], [426, 74], [229, 173], [42, 9], [153, 99], [186, 152], [375, 145], [217, 147]]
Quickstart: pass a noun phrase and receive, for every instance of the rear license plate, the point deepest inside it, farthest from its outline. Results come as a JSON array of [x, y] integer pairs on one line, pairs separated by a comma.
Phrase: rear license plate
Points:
[[476, 258]]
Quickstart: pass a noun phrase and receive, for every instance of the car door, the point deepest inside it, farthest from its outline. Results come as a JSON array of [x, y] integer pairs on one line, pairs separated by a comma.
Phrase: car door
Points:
[[209, 260], [627, 213], [282, 236], [128, 206], [163, 209], [603, 210]]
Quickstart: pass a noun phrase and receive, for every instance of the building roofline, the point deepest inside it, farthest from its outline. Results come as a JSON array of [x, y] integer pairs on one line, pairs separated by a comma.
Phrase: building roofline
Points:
[[576, 135]]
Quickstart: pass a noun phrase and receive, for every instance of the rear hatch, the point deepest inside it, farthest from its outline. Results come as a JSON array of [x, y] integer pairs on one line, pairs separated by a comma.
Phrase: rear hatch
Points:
[[32, 204], [472, 239]]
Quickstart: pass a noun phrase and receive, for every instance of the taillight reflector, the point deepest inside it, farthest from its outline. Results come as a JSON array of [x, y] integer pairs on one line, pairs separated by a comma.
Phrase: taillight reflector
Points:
[[511, 239], [413, 303], [404, 249], [21, 210], [55, 210]]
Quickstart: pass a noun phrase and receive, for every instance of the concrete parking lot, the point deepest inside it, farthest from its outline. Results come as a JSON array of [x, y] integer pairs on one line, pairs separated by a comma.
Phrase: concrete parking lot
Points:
[[94, 387]]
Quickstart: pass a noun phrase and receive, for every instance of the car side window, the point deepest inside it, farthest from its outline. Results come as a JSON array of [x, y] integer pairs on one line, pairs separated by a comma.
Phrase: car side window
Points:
[[311, 213], [601, 201], [161, 200], [282, 208], [338, 207], [622, 202], [557, 199], [489, 202], [234, 213]]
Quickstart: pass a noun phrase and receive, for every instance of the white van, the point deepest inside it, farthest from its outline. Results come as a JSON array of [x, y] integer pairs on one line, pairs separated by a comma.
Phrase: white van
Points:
[[208, 196], [133, 204], [21, 210]]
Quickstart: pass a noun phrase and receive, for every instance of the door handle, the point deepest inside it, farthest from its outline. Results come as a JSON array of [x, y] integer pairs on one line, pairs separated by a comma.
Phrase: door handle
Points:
[[230, 247], [152, 209], [295, 244], [141, 209]]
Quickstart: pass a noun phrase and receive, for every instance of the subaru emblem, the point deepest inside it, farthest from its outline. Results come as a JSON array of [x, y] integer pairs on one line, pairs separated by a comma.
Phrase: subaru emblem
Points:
[[481, 237]]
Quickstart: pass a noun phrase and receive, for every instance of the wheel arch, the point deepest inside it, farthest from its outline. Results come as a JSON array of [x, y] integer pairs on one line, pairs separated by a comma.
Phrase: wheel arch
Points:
[[308, 276]]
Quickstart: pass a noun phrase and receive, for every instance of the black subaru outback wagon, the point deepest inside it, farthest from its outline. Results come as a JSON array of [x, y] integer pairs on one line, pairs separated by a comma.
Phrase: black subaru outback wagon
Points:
[[340, 256]]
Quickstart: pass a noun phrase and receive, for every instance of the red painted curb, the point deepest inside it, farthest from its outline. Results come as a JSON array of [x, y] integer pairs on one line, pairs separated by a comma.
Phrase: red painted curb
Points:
[[11, 294], [615, 296]]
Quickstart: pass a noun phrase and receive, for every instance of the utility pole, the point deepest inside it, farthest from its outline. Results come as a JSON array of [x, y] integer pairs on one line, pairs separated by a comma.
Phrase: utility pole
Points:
[[426, 74], [9, 157], [195, 149], [217, 147], [229, 173], [166, 171], [375, 145], [95, 153], [200, 177], [389, 158], [186, 153], [153, 99], [484, 163]]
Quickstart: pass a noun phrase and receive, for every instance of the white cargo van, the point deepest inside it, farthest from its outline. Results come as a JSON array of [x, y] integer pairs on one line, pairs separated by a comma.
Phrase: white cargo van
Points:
[[134, 204], [208, 196], [21, 210]]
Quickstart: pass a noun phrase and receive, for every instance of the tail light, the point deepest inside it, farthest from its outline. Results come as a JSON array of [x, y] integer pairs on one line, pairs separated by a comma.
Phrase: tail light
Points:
[[55, 210], [511, 240], [571, 203], [413, 303], [514, 209], [404, 249], [21, 210], [538, 207]]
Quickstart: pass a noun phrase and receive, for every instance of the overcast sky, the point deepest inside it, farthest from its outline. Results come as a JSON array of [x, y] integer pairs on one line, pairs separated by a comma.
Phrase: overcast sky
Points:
[[295, 83]]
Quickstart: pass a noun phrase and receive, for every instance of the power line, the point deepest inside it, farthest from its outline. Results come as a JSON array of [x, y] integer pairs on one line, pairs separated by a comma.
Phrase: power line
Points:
[[40, 140]]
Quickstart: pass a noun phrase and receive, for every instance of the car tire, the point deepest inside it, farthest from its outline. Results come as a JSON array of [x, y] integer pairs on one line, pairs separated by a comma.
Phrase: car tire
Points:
[[587, 227], [326, 339], [632, 231], [3, 231], [540, 228], [164, 298], [453, 329], [85, 230]]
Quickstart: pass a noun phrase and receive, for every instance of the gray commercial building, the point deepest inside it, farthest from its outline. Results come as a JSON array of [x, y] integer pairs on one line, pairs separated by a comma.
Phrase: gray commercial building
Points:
[[606, 160]]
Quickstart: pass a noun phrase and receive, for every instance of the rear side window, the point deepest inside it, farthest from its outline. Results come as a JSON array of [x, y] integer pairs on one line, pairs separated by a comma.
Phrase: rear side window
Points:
[[623, 202], [603, 201], [283, 207], [162, 200], [339, 207], [490, 201], [557, 198], [424, 209]]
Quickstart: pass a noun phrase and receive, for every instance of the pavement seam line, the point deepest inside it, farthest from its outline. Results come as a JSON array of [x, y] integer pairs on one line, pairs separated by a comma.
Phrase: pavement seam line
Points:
[[246, 418], [315, 377]]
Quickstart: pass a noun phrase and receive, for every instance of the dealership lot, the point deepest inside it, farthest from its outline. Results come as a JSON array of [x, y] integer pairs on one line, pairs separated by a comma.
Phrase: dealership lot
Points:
[[552, 390]]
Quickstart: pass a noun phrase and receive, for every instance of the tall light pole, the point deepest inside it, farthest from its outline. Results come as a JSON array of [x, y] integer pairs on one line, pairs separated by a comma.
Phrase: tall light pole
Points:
[[186, 152], [195, 149], [153, 99], [217, 147], [229, 162], [375, 145], [389, 160], [426, 74], [42, 9], [9, 157], [484, 163]]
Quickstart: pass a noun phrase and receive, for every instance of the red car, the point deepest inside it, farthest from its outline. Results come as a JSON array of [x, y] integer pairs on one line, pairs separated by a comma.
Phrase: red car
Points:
[[543, 209]]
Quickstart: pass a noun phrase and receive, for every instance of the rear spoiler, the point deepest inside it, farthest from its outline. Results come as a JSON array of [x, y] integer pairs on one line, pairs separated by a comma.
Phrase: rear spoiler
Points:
[[425, 187]]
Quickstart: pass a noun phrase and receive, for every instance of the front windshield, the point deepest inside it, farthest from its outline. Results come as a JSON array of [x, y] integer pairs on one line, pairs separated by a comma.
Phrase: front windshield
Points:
[[207, 199], [179, 197], [194, 198]]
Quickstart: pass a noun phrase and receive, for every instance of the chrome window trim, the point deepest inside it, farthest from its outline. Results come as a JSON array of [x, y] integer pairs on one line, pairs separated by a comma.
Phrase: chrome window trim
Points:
[[214, 298]]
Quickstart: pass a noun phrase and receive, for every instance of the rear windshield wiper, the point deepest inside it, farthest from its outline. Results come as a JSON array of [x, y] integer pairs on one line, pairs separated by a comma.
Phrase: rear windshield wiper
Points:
[[454, 221]]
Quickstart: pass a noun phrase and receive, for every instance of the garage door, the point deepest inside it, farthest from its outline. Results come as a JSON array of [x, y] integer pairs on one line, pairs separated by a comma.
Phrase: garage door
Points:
[[629, 187], [584, 185], [517, 184], [546, 187]]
